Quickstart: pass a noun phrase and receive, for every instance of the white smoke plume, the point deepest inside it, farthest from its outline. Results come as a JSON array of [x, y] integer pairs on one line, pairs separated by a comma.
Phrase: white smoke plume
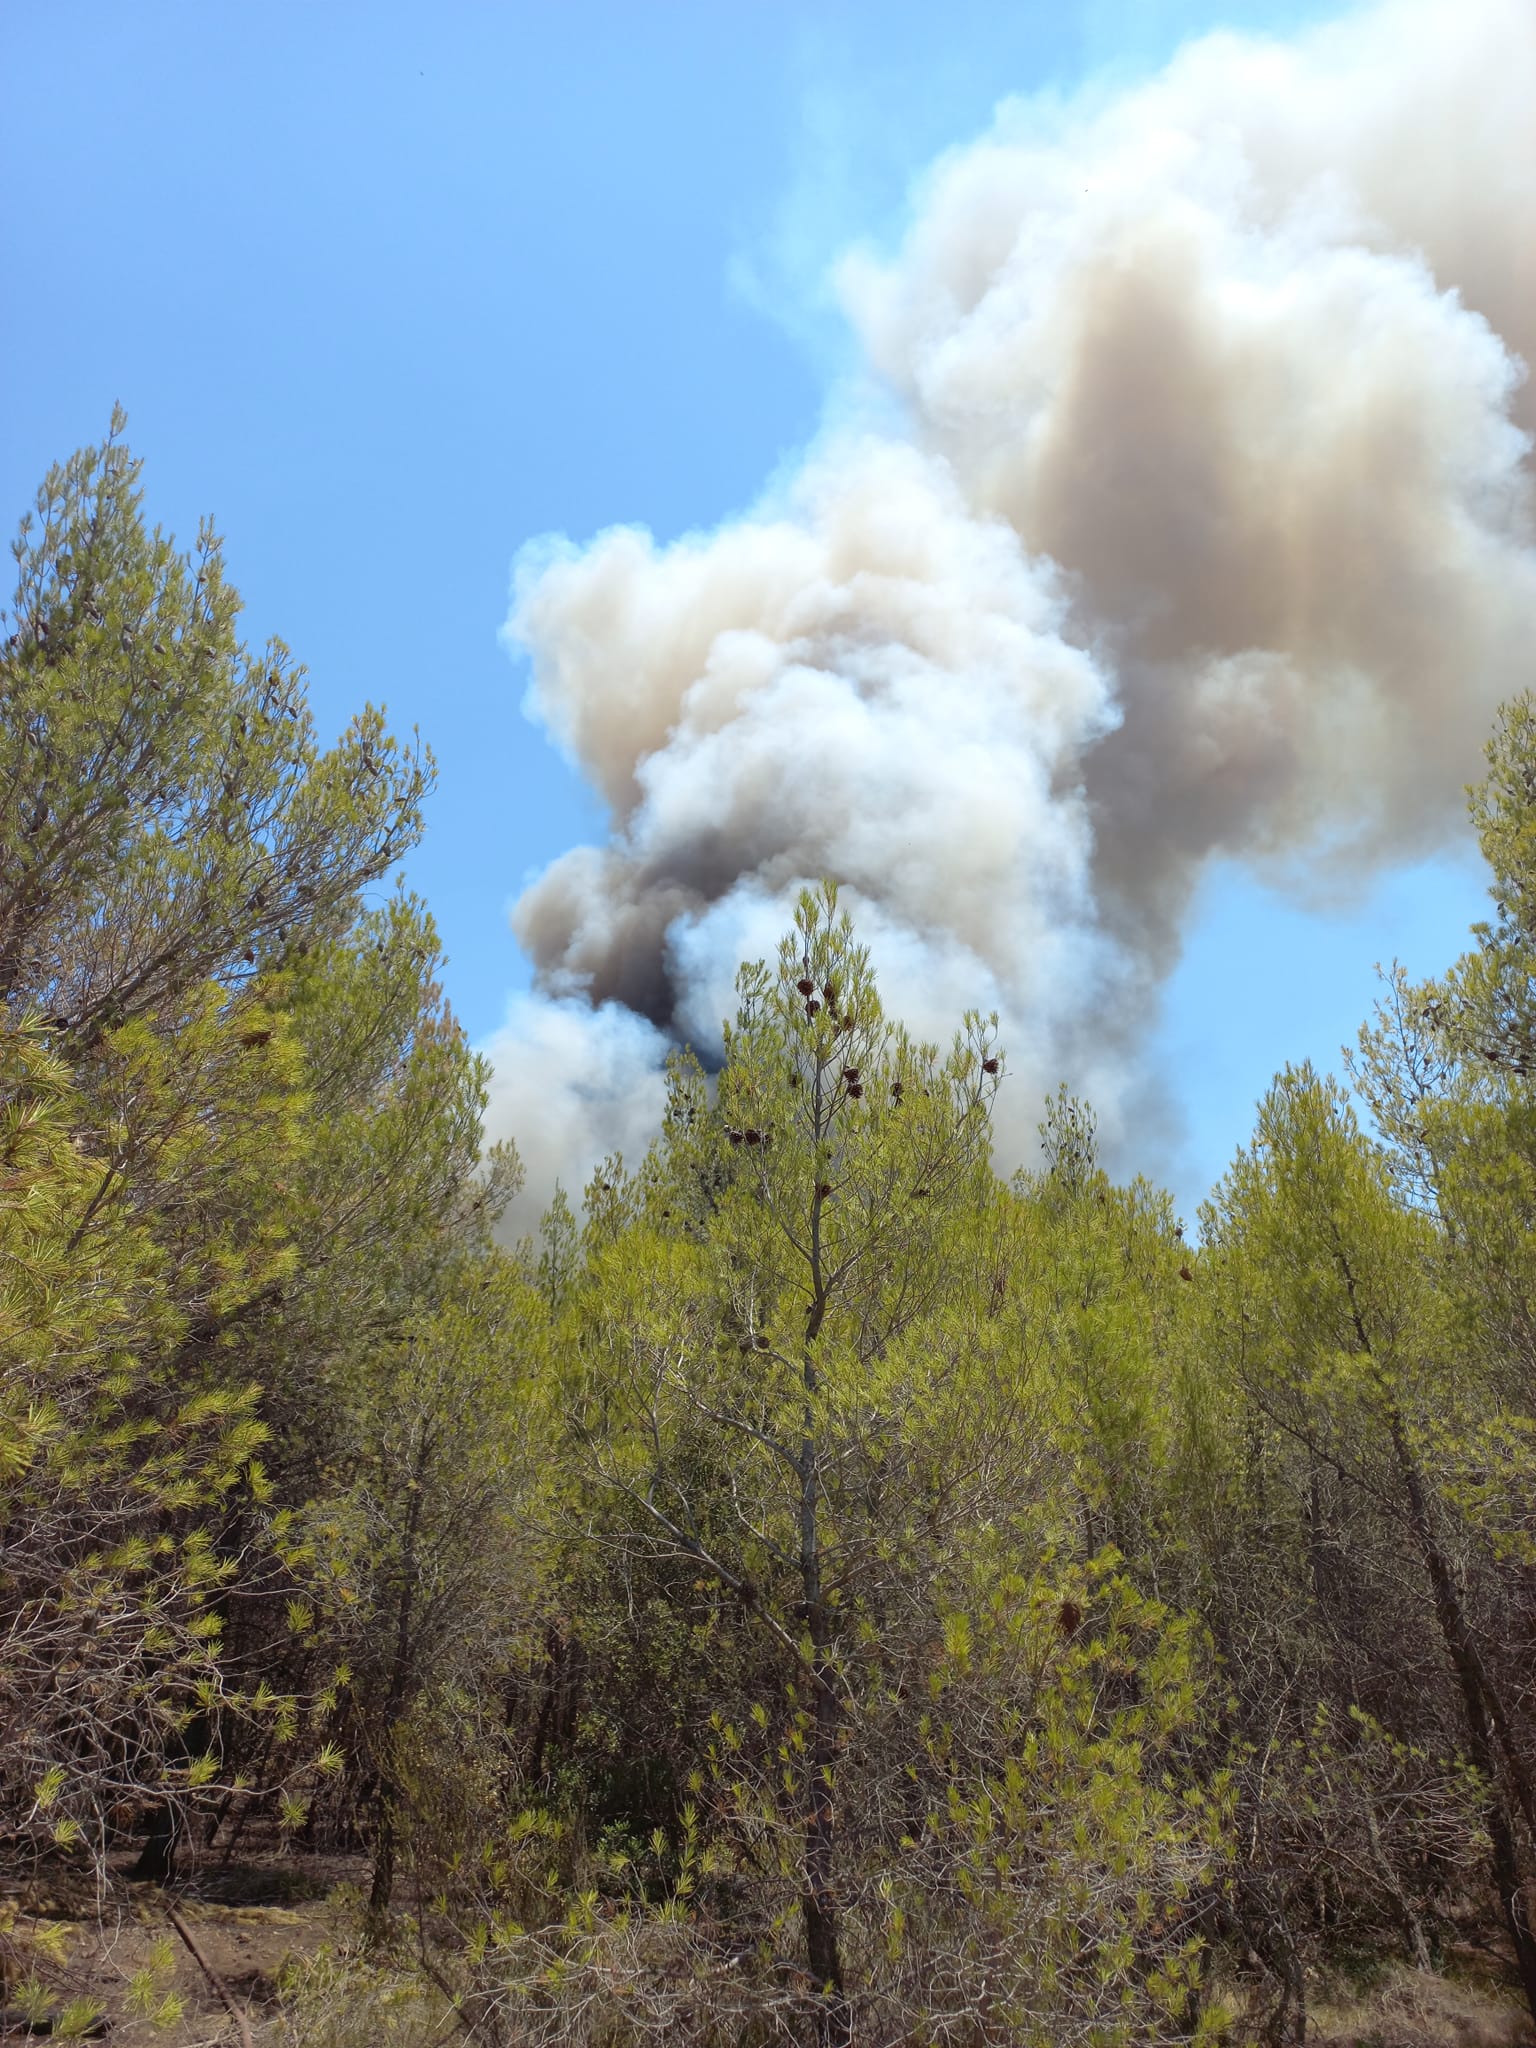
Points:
[[1208, 531], [571, 1084]]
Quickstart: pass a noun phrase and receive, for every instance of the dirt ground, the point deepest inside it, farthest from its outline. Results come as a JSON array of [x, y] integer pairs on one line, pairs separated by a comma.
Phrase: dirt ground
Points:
[[1476, 2005], [247, 1921], [1413, 2009], [252, 1918]]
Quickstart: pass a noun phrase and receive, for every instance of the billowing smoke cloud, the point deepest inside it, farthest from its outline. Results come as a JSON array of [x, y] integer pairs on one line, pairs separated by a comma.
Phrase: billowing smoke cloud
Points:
[[572, 1084], [1208, 531]]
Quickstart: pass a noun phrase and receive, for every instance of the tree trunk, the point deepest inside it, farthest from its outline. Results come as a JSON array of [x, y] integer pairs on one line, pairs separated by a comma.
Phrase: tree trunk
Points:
[[1260, 1918], [156, 1863], [1482, 1711], [157, 1859], [834, 2014], [382, 1888], [834, 2019]]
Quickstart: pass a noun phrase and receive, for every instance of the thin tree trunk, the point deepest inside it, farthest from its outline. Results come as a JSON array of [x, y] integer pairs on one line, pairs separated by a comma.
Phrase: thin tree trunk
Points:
[[382, 1887], [834, 2015], [1482, 1709], [1262, 1920], [1413, 1926], [834, 2025], [1477, 1698]]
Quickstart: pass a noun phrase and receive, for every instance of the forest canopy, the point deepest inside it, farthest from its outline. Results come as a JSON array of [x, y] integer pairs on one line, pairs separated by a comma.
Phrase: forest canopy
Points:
[[819, 1590]]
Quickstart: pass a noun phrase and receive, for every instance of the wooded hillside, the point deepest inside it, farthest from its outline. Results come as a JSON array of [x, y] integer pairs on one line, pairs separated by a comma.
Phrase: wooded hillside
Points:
[[821, 1590]]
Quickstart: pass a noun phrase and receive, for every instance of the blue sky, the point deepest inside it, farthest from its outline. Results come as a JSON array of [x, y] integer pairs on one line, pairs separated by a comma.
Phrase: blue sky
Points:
[[391, 290]]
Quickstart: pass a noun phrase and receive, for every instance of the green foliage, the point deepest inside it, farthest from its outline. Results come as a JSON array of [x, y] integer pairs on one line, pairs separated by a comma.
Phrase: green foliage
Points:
[[819, 1592], [167, 816], [222, 1082], [823, 1371]]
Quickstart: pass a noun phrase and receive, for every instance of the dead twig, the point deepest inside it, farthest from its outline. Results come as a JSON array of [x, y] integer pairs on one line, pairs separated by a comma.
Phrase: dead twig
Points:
[[221, 1990]]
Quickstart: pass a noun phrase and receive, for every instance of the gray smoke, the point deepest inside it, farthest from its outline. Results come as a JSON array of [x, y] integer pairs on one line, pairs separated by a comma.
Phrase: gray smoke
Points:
[[1207, 531]]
